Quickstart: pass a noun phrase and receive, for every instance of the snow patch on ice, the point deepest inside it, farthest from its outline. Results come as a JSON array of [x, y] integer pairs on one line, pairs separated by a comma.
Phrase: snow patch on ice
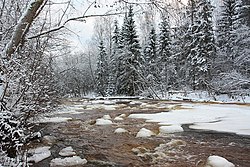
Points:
[[121, 130], [202, 96], [106, 117], [53, 119], [109, 102], [122, 115], [39, 154], [118, 118], [218, 117], [102, 121], [170, 129], [100, 107], [66, 152], [144, 133], [217, 161], [69, 161]]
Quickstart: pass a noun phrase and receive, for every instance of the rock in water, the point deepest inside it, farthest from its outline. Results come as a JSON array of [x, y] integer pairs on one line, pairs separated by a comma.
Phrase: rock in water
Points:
[[217, 161]]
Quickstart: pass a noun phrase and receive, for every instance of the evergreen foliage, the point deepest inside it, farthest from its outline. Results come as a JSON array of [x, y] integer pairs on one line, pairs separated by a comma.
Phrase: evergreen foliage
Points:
[[150, 56], [114, 63], [102, 71], [200, 44], [233, 39], [130, 60], [165, 60]]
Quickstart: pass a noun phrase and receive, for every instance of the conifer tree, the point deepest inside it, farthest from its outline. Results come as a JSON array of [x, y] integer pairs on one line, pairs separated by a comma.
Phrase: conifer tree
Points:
[[204, 53], [102, 71], [166, 66], [129, 80], [150, 54], [200, 47], [226, 25], [234, 42], [114, 63]]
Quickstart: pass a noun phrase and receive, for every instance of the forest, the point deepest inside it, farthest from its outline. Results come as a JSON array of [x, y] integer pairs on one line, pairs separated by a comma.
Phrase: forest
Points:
[[193, 47], [144, 48]]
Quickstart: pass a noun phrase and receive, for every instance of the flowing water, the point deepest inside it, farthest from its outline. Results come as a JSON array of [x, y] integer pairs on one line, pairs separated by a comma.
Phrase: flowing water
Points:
[[102, 147]]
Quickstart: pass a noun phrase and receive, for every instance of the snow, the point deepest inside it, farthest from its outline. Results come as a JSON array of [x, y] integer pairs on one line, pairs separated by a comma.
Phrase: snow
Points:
[[102, 121], [53, 119], [106, 117], [217, 161], [66, 152], [39, 154], [118, 118], [170, 129], [144, 133], [202, 96], [121, 130], [69, 161], [107, 102], [122, 115], [218, 117], [100, 107]]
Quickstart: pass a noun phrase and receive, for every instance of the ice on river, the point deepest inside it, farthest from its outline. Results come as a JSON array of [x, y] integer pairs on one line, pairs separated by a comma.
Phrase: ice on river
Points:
[[69, 161], [218, 117], [39, 154], [66, 152], [53, 119]]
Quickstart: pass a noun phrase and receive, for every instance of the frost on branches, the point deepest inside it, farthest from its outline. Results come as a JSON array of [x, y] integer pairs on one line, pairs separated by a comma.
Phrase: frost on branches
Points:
[[26, 75]]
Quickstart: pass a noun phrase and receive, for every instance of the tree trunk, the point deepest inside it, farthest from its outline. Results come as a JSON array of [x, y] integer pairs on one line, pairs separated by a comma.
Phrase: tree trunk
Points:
[[23, 26]]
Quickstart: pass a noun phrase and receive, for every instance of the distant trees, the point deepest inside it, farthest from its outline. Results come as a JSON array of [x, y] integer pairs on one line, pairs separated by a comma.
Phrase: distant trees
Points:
[[192, 54]]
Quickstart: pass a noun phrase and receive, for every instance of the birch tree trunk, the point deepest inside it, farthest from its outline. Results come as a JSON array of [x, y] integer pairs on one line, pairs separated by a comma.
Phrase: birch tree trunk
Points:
[[23, 26]]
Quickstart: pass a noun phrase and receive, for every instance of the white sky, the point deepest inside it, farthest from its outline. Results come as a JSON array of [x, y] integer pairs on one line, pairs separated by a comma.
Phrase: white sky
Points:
[[83, 31]]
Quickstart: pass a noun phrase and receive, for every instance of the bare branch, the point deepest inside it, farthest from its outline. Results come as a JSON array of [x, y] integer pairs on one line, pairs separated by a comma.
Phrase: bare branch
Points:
[[80, 18]]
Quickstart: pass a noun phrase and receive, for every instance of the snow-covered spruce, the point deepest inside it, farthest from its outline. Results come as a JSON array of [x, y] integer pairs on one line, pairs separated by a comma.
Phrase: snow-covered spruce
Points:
[[12, 135]]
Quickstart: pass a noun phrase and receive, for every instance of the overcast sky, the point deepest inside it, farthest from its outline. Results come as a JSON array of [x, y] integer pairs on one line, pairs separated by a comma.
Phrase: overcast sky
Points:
[[83, 31]]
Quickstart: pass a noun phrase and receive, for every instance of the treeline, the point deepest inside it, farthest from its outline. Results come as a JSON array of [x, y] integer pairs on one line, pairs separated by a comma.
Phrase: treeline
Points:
[[203, 52]]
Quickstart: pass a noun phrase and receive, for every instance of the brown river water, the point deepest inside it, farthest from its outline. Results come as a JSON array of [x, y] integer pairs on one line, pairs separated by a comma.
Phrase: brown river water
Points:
[[102, 147]]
